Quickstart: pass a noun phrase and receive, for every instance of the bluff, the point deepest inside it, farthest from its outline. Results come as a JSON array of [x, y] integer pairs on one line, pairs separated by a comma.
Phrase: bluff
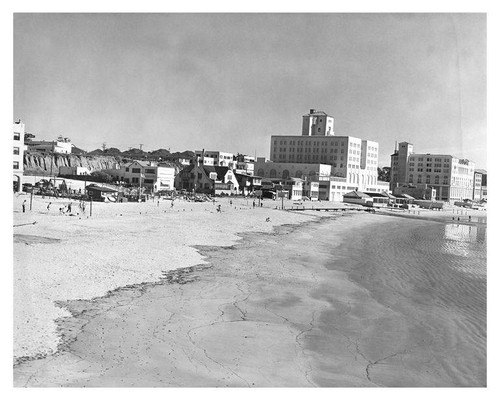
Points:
[[44, 164]]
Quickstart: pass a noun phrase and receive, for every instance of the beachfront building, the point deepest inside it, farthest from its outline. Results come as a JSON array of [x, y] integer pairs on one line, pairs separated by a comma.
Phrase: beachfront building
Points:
[[418, 191], [381, 199], [480, 190], [292, 188], [247, 184], [357, 197], [215, 158], [61, 145], [207, 179], [350, 158], [18, 152], [310, 190], [453, 178], [147, 174]]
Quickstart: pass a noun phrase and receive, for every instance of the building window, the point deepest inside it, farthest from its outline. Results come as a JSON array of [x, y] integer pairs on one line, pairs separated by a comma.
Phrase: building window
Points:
[[17, 136], [150, 171], [136, 170], [436, 180], [428, 179], [419, 179], [16, 164], [150, 181], [410, 178], [16, 151]]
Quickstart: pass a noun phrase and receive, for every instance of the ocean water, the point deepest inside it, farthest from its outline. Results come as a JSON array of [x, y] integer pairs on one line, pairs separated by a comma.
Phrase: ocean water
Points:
[[425, 283]]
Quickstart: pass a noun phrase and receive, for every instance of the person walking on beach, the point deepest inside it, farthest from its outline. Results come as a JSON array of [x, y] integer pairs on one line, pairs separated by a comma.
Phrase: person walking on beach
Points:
[[69, 208], [218, 208], [172, 204], [253, 205], [24, 206], [48, 207]]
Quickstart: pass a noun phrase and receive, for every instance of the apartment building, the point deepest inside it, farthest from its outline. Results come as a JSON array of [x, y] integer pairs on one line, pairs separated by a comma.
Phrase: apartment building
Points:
[[18, 152], [453, 178], [351, 158]]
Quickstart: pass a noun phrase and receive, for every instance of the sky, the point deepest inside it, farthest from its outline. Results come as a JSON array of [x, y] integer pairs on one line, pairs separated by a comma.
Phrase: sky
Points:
[[228, 82]]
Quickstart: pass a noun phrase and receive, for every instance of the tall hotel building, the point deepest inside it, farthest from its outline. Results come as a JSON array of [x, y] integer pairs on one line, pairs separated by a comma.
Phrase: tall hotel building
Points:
[[453, 178], [351, 158]]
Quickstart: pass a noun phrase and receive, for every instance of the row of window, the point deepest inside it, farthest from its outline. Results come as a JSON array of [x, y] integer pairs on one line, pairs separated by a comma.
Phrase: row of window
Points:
[[313, 143], [436, 170], [429, 159], [305, 150], [138, 170], [428, 179]]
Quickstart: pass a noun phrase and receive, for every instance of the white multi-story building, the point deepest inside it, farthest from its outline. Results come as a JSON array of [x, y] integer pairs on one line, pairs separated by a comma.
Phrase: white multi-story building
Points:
[[453, 178], [351, 158], [18, 151]]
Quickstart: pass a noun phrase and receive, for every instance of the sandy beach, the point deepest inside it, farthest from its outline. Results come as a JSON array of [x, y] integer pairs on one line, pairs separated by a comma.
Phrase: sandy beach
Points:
[[191, 297]]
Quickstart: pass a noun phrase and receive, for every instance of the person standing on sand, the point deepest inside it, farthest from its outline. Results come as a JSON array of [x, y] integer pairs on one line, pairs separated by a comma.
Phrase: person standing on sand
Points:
[[69, 207], [24, 206], [218, 208], [172, 204], [253, 204], [48, 207]]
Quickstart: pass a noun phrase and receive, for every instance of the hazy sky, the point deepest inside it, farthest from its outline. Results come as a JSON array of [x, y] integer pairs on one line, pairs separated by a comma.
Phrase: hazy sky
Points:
[[229, 81]]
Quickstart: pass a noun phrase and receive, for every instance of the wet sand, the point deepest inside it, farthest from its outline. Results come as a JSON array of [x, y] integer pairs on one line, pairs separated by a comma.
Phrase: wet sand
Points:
[[262, 313]]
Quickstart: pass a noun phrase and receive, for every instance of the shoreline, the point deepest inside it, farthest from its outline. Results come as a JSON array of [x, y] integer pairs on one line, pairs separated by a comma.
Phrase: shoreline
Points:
[[85, 311], [120, 245], [180, 276], [252, 313]]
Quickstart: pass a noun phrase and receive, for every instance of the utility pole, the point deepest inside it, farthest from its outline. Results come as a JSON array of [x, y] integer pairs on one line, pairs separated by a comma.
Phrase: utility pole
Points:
[[140, 146]]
